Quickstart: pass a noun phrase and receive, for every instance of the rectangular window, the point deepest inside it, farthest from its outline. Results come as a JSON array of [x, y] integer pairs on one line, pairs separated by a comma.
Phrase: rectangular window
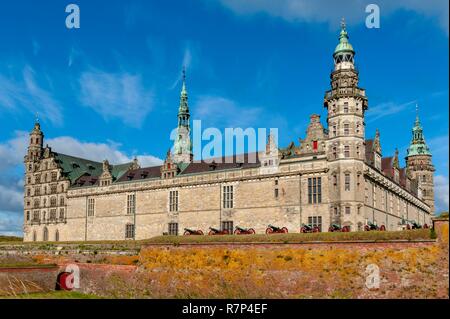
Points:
[[314, 190], [54, 176], [91, 207], [347, 209], [129, 231], [346, 129], [61, 214], [131, 204], [334, 130], [315, 221], [28, 216], [53, 189], [53, 214], [228, 225], [173, 229], [347, 182], [228, 196], [345, 107], [36, 216], [347, 151], [173, 201], [276, 193]]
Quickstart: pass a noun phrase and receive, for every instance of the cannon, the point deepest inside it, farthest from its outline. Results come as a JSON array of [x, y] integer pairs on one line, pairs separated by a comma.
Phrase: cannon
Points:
[[414, 225], [337, 228], [276, 230], [215, 231], [371, 226], [309, 229], [188, 232], [244, 231]]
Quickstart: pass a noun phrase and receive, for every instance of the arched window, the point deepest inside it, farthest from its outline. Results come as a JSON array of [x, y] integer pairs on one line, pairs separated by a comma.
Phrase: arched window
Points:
[[45, 235], [57, 235]]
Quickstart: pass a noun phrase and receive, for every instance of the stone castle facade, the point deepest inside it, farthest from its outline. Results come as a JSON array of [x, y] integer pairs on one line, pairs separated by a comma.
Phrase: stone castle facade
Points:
[[335, 176]]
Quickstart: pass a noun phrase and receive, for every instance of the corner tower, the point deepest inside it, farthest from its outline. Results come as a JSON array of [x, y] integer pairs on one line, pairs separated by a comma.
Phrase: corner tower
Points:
[[419, 165], [183, 144], [346, 104]]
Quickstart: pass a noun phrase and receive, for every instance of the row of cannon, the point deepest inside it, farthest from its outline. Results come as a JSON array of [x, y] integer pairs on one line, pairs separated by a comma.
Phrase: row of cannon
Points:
[[304, 229], [269, 230]]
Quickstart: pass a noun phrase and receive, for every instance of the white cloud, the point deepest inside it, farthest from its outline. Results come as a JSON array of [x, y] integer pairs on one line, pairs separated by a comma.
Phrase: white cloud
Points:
[[331, 12], [98, 151], [10, 223], [11, 198], [441, 193], [116, 95], [26, 93], [385, 109], [13, 151]]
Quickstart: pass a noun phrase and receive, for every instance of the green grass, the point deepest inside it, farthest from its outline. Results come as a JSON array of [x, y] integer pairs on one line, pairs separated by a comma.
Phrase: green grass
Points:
[[97, 246], [8, 239], [55, 295], [420, 234]]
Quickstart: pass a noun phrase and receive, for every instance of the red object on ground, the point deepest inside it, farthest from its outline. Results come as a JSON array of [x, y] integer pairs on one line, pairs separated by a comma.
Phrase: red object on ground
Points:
[[65, 281]]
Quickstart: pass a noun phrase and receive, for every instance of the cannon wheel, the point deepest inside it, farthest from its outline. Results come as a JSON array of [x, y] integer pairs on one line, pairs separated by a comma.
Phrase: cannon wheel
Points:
[[269, 230], [199, 232], [425, 226], [408, 227], [186, 233], [225, 232], [237, 232], [303, 230], [284, 230], [316, 230], [367, 228], [251, 231], [345, 229], [211, 232], [331, 229], [382, 228]]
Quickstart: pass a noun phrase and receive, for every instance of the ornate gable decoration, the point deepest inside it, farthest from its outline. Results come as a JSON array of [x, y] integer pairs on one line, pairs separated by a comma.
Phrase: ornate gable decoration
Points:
[[169, 168], [315, 137]]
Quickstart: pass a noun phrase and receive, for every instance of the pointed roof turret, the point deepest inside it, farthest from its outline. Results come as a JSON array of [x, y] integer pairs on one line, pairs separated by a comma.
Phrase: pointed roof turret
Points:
[[418, 145], [395, 161], [377, 142]]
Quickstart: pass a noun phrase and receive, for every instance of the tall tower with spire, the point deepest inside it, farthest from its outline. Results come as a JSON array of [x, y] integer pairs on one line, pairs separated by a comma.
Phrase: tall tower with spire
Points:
[[346, 104], [35, 143], [183, 143], [419, 165]]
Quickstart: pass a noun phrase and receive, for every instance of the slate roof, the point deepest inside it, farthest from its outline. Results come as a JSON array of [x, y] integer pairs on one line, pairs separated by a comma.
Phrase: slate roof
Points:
[[140, 174], [216, 164], [82, 171]]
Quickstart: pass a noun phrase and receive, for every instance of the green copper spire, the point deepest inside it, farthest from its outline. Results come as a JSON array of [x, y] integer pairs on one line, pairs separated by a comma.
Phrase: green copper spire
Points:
[[184, 108], [183, 144], [418, 145], [344, 46]]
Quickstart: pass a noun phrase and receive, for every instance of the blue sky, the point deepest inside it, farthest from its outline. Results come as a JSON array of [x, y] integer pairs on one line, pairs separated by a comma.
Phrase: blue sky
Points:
[[111, 88]]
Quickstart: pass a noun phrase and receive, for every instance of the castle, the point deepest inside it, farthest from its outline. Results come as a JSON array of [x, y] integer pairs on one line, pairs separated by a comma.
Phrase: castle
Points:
[[335, 176]]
